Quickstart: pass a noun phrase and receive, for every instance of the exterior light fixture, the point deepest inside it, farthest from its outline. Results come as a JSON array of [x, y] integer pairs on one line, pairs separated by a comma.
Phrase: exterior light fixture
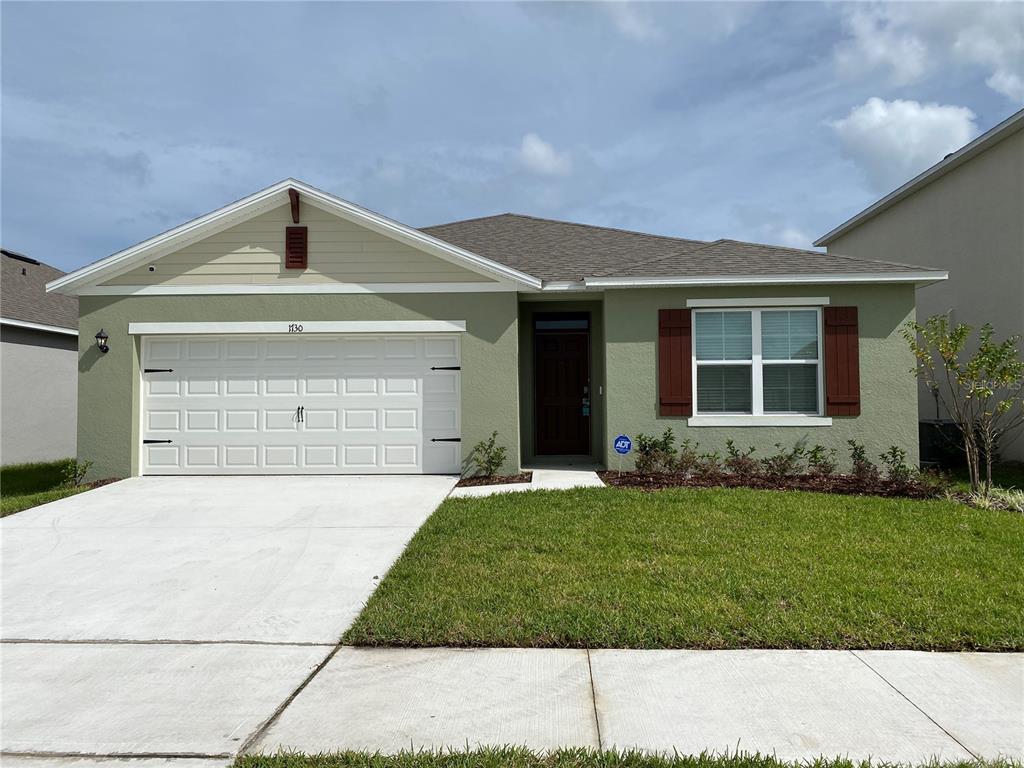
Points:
[[101, 341]]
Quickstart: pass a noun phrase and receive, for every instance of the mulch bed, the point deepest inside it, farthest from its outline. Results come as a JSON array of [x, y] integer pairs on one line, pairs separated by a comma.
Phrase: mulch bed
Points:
[[841, 484], [522, 477], [101, 483]]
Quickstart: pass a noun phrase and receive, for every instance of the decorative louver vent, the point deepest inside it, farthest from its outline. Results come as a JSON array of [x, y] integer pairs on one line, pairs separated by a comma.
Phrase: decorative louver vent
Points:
[[295, 248]]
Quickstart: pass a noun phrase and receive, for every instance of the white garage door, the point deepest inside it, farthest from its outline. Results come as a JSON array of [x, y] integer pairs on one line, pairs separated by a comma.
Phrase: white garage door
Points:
[[291, 404]]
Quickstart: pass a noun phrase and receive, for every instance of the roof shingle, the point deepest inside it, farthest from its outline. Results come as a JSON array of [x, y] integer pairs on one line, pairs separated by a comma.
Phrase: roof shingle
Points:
[[559, 250], [23, 293]]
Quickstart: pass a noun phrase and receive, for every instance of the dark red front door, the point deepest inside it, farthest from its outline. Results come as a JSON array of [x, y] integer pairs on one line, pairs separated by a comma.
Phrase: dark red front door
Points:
[[562, 397]]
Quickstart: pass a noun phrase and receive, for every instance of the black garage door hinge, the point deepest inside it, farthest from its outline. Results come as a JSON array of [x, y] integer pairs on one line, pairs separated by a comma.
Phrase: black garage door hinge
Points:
[[446, 439], [147, 442], [446, 367], [158, 370]]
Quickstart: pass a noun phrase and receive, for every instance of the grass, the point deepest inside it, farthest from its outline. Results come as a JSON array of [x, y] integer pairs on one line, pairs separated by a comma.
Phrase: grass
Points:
[[28, 485], [512, 757], [704, 568], [1003, 476]]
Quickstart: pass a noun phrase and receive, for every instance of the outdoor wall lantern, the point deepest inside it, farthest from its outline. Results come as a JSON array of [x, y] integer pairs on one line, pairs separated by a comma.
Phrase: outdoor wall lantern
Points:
[[101, 341]]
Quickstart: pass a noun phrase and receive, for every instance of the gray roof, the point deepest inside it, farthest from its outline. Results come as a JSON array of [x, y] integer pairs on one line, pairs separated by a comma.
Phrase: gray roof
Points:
[[23, 293], [559, 250]]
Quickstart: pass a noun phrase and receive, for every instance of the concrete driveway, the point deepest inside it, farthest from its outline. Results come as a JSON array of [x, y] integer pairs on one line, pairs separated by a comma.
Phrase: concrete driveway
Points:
[[174, 616]]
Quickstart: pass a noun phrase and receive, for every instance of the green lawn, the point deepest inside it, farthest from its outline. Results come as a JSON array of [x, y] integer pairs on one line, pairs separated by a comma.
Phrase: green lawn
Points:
[[1003, 476], [509, 757], [29, 485], [704, 568]]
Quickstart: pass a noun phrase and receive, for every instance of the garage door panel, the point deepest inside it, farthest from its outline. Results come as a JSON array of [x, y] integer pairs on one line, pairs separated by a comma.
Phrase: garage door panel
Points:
[[202, 421], [369, 404], [320, 420], [241, 457]]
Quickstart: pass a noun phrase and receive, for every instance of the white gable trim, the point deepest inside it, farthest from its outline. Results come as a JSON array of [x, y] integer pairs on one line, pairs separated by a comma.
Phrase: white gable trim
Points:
[[274, 288], [302, 326], [38, 326], [266, 199]]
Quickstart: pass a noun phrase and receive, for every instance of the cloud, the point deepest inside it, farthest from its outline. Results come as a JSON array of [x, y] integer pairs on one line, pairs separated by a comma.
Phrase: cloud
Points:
[[632, 22], [892, 141], [877, 42], [540, 157], [911, 41]]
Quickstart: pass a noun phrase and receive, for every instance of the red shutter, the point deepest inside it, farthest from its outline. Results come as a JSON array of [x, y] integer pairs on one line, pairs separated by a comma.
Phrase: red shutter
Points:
[[842, 362], [295, 247], [675, 383]]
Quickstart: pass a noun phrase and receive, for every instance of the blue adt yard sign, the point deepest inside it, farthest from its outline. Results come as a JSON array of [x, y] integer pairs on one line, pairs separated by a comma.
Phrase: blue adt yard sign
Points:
[[623, 445]]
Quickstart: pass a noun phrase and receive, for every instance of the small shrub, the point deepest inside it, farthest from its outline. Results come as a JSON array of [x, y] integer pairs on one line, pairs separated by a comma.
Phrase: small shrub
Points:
[[821, 461], [863, 468], [1011, 499], [688, 458], [740, 462], [895, 460], [656, 454], [708, 465], [73, 472], [488, 455], [784, 463]]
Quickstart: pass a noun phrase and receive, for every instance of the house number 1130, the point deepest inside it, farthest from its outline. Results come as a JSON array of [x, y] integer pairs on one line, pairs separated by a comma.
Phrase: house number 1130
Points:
[[295, 328]]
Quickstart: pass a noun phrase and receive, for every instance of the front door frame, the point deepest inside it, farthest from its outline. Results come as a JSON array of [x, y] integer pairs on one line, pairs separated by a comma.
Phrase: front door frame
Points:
[[536, 334]]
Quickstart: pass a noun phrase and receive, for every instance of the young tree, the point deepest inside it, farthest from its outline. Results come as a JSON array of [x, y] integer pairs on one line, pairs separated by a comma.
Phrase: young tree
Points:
[[983, 391]]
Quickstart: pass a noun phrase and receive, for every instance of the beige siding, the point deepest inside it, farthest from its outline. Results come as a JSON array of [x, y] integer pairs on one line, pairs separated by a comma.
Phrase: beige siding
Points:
[[339, 251], [970, 222]]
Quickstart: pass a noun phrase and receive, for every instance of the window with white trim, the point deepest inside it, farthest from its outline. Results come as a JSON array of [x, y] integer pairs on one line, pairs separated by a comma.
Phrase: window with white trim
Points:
[[757, 362]]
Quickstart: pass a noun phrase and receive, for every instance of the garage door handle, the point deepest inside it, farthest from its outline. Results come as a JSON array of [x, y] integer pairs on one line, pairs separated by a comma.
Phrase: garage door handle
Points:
[[446, 367], [158, 370], [147, 442], [446, 439]]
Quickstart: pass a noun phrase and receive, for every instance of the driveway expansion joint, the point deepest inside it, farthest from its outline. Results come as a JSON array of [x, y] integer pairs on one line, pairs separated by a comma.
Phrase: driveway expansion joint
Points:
[[256, 735], [128, 641], [120, 755], [593, 700], [914, 704]]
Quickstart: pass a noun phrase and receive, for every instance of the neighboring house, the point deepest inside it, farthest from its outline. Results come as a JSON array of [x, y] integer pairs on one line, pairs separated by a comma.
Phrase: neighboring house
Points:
[[292, 331], [38, 364], [964, 215]]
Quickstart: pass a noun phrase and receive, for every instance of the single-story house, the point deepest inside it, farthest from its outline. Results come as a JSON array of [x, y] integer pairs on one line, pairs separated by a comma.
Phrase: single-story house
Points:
[[295, 332], [965, 214], [38, 363]]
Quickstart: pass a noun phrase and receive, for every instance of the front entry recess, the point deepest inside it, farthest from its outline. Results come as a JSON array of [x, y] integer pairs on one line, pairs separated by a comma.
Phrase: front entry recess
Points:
[[562, 401]]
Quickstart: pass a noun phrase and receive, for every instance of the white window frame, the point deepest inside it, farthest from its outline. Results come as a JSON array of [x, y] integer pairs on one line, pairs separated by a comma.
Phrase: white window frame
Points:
[[757, 417]]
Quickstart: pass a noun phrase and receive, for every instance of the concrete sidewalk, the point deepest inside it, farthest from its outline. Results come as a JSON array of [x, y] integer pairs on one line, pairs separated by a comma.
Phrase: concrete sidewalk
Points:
[[885, 705], [549, 479]]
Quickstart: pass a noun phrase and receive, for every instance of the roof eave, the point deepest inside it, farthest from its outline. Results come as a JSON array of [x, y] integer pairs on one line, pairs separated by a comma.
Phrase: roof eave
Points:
[[920, 278], [1010, 125]]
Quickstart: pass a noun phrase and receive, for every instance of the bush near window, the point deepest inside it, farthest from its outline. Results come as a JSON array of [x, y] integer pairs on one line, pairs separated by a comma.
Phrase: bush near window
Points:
[[660, 465]]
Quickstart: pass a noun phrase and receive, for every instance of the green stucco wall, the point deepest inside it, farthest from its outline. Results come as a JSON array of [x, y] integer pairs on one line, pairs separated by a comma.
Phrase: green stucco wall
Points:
[[109, 390], [888, 389]]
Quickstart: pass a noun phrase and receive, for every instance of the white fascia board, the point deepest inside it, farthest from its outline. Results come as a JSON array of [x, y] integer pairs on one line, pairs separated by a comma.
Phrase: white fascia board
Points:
[[38, 326], [292, 289], [993, 136], [922, 277], [298, 327], [795, 301], [266, 199]]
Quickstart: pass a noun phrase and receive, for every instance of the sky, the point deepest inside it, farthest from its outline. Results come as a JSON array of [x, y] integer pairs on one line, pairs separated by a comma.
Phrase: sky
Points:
[[770, 122]]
